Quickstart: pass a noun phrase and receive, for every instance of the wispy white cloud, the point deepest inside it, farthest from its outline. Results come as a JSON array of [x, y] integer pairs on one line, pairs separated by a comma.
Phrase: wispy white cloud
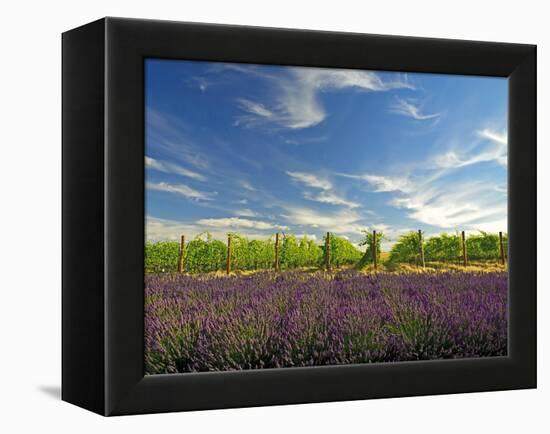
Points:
[[237, 222], [326, 195], [440, 204], [171, 134], [247, 185], [344, 221], [159, 229], [430, 197], [382, 183], [166, 167], [493, 147], [387, 183], [181, 189], [191, 156], [201, 82], [499, 137], [245, 213], [254, 108], [491, 226], [381, 227], [330, 198], [412, 110], [470, 208], [312, 237], [297, 104], [310, 180]]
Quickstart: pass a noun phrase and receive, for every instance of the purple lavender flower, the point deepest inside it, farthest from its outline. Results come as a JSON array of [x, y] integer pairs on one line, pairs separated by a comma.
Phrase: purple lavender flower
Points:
[[270, 320]]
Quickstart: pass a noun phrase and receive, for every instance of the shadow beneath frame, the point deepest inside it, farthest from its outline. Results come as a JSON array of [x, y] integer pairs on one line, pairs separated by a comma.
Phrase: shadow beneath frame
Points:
[[53, 392]]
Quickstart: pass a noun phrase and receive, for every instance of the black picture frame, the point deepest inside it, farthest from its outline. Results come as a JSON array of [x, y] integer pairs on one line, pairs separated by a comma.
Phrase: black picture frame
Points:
[[103, 216]]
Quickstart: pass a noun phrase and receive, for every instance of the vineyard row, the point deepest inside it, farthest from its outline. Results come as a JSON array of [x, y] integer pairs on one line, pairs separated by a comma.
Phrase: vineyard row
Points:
[[205, 254]]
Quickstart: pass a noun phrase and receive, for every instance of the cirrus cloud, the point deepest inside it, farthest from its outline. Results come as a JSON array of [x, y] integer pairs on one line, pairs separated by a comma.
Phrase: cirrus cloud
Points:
[[412, 110], [237, 222], [297, 104], [310, 180], [181, 189], [163, 166]]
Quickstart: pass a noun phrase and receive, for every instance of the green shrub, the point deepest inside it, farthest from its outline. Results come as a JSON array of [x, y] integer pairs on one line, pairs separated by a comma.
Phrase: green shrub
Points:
[[161, 257], [299, 253], [485, 246], [204, 254], [368, 256], [342, 252], [444, 247], [406, 249]]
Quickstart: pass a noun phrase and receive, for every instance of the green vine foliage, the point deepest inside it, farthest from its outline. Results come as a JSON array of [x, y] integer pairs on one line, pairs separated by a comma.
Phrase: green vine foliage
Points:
[[299, 253], [447, 247], [485, 246], [161, 257], [368, 241], [342, 252], [406, 249], [444, 248], [205, 254]]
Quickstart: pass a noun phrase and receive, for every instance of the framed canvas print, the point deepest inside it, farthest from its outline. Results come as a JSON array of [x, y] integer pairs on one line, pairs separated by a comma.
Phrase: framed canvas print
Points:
[[258, 216]]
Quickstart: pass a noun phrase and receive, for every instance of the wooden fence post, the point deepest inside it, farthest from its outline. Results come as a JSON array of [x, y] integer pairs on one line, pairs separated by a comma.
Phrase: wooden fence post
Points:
[[327, 252], [181, 259], [421, 249], [228, 253], [374, 251], [277, 251], [502, 256], [464, 251]]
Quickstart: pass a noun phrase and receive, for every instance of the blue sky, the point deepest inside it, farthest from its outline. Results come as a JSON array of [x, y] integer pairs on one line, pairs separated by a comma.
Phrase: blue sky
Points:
[[259, 149]]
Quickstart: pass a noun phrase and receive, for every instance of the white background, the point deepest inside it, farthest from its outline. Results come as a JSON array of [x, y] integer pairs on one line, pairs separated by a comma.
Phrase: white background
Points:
[[30, 216]]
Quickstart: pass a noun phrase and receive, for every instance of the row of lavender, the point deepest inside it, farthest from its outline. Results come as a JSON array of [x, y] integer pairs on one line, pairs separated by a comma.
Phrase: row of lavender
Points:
[[270, 320]]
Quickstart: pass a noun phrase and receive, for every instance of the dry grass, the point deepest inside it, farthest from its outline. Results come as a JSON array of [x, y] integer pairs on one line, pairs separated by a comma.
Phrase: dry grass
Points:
[[385, 267], [441, 267]]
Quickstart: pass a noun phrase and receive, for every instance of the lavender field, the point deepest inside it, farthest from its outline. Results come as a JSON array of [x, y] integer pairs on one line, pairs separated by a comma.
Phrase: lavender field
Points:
[[272, 320]]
